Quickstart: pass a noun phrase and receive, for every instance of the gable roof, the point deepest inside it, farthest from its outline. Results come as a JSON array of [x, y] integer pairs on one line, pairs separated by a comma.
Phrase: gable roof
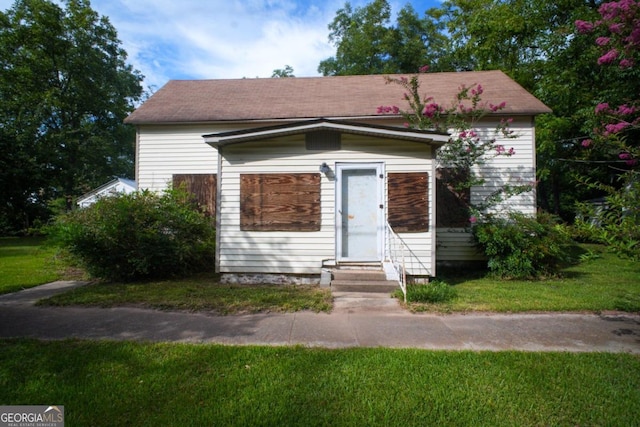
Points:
[[300, 127], [127, 185], [193, 101]]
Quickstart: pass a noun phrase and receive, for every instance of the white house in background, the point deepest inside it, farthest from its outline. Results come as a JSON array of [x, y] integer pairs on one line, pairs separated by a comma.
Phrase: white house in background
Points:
[[118, 185], [302, 174]]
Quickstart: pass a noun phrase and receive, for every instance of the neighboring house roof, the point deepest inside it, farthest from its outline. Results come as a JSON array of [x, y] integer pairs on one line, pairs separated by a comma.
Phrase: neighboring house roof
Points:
[[118, 185], [246, 135], [193, 101]]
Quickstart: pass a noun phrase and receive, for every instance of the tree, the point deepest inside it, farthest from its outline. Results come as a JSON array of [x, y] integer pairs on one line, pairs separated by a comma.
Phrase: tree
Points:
[[535, 42], [287, 71], [616, 136], [367, 43], [65, 89], [516, 245]]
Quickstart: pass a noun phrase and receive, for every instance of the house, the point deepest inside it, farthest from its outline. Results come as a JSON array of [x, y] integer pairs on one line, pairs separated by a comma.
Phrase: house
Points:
[[116, 186], [303, 174]]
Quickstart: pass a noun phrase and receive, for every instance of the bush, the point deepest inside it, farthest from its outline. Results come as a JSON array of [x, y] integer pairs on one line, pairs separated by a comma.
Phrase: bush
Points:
[[433, 292], [138, 236], [523, 247], [615, 223]]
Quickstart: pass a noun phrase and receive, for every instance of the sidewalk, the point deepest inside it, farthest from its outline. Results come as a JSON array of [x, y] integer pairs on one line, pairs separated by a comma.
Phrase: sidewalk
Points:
[[354, 322]]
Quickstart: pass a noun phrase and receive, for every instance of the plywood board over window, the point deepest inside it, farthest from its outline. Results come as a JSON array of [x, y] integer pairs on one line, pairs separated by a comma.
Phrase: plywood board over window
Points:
[[280, 202], [203, 188], [408, 202]]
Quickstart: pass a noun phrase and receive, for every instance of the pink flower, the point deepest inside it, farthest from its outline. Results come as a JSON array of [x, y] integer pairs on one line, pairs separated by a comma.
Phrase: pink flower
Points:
[[625, 110], [616, 28], [430, 110], [511, 152], [500, 149], [615, 128], [473, 219], [634, 37], [584, 26], [624, 156], [603, 41], [608, 57], [631, 162], [602, 107], [386, 109], [479, 90], [423, 69], [495, 108], [586, 143], [626, 63]]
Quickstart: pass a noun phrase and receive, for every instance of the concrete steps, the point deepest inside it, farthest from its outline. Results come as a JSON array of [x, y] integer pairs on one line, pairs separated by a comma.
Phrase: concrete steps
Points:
[[361, 280]]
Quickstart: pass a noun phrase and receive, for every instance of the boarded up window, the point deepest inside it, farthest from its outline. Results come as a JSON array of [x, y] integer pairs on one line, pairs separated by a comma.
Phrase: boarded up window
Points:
[[202, 186], [280, 202], [452, 202], [408, 202]]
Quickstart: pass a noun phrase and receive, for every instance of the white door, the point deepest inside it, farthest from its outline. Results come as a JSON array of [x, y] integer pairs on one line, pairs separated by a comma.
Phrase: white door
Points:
[[359, 216]]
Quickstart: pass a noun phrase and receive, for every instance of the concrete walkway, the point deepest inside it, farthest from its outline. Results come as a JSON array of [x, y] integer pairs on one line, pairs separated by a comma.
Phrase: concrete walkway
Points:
[[375, 321]]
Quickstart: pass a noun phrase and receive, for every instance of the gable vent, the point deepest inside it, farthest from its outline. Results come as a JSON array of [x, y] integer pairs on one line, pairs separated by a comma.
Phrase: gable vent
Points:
[[323, 140]]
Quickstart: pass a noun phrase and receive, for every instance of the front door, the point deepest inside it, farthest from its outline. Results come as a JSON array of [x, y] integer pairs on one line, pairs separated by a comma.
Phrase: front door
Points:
[[359, 212]]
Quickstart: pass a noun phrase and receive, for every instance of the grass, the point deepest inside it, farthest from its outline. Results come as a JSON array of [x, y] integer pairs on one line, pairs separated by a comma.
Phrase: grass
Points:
[[199, 293], [603, 282], [26, 262], [125, 383]]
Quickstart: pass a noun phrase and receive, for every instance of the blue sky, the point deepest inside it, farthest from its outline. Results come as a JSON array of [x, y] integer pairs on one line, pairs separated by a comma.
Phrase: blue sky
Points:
[[208, 39]]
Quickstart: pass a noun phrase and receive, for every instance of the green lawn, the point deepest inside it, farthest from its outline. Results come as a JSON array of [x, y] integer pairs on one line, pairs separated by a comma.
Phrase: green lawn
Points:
[[141, 384], [199, 293], [603, 282], [25, 262]]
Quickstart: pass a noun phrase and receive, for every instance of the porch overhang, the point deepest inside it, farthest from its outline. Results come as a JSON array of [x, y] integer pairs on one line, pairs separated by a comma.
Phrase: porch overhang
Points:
[[254, 134]]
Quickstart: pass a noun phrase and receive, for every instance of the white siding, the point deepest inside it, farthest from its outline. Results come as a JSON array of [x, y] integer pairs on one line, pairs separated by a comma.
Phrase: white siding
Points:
[[304, 252], [456, 244], [170, 149], [516, 170]]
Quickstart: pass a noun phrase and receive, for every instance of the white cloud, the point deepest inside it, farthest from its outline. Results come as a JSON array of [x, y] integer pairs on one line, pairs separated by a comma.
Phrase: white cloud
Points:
[[221, 39], [195, 39]]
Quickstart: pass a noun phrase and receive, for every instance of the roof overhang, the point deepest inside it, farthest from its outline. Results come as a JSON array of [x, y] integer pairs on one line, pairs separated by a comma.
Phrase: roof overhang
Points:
[[255, 134]]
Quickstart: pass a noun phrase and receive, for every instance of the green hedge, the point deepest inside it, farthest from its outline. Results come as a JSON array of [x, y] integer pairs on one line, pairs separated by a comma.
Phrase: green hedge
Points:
[[139, 236], [523, 247]]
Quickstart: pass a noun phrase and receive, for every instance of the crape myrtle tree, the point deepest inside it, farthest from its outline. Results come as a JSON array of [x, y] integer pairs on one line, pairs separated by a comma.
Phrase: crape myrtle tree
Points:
[[516, 245], [615, 141], [533, 41], [65, 89], [468, 148]]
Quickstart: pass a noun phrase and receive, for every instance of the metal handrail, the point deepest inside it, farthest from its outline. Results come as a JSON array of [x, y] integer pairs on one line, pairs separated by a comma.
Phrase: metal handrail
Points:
[[395, 253]]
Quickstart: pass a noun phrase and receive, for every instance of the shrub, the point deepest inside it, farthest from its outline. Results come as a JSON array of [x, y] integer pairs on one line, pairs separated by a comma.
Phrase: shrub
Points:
[[138, 236], [523, 247], [615, 223], [433, 292]]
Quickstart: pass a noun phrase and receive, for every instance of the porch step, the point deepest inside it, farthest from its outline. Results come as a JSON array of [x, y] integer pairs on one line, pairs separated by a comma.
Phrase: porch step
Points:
[[361, 280]]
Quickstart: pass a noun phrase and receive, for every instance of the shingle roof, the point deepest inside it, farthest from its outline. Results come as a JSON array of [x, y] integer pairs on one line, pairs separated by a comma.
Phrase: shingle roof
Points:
[[192, 101]]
